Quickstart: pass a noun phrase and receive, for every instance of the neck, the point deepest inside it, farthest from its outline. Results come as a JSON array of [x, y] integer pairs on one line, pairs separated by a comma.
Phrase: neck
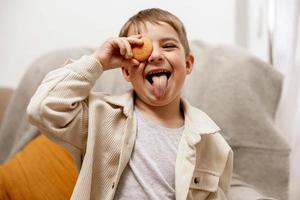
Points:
[[169, 116]]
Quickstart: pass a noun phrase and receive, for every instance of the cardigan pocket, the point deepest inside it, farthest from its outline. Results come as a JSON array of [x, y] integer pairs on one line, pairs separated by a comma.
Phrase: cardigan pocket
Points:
[[203, 186]]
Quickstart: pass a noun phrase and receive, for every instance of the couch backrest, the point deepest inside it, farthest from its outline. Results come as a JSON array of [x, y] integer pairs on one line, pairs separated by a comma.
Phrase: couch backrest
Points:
[[239, 91]]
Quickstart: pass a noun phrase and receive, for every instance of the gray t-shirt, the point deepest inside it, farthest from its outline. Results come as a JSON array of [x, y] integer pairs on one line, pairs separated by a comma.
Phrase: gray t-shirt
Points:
[[150, 173]]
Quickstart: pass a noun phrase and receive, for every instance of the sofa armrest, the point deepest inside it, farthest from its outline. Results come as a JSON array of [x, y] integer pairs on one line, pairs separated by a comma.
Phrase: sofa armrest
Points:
[[240, 190]]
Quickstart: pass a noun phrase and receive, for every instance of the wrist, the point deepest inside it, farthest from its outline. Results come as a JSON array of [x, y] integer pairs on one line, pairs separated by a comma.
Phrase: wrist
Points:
[[99, 60]]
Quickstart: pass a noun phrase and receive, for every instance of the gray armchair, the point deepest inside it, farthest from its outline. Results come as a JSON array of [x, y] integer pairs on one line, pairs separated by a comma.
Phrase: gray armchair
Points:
[[239, 91]]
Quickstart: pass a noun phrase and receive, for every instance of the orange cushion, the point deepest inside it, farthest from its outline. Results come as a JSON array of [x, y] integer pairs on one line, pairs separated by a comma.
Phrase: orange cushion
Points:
[[42, 170]]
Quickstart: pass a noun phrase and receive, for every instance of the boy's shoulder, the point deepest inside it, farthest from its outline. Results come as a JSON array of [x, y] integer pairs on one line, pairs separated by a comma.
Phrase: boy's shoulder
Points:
[[199, 122], [198, 119], [118, 99]]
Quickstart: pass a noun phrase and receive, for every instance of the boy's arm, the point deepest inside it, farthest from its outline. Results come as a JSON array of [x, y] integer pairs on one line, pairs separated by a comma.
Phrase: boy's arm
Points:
[[59, 107]]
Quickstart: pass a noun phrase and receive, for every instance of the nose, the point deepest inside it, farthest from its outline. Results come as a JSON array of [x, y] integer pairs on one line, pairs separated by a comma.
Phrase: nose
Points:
[[156, 56]]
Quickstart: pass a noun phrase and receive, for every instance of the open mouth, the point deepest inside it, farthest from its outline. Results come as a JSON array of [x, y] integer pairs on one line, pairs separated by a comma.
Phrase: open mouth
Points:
[[159, 73]]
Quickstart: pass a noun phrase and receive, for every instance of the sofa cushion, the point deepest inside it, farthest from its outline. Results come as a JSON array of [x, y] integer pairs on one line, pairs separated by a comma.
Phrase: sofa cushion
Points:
[[42, 170]]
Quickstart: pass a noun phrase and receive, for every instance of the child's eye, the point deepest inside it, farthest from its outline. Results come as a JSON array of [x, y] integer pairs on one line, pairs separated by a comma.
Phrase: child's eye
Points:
[[169, 45]]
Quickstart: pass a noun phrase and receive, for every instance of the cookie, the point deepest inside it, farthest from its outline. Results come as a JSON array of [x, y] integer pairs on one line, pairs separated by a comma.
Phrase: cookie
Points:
[[142, 53]]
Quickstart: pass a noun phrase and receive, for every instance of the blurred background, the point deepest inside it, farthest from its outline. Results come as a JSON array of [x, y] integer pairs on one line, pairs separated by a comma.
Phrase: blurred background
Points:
[[31, 28], [269, 29]]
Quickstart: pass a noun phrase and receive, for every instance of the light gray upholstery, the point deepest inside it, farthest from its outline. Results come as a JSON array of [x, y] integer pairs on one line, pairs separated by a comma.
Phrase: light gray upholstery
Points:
[[15, 130], [240, 92], [5, 95]]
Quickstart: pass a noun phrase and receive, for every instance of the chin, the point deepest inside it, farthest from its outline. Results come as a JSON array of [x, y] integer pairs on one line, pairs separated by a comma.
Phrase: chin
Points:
[[150, 99], [160, 102]]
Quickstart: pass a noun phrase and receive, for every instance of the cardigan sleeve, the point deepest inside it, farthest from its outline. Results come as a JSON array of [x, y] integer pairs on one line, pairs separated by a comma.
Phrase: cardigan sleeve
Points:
[[225, 178], [59, 107]]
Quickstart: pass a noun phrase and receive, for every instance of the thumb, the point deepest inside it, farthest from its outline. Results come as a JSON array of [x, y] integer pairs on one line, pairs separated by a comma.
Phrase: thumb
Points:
[[130, 63]]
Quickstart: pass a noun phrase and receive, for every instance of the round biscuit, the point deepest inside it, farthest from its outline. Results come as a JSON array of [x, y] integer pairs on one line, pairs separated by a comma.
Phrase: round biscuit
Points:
[[142, 53]]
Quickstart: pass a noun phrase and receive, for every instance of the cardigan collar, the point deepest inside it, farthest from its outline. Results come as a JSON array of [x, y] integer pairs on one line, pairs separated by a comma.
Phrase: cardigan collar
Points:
[[195, 120]]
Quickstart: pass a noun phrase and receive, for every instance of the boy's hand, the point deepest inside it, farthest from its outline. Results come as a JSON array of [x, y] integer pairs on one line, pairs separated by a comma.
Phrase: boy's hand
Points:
[[113, 52]]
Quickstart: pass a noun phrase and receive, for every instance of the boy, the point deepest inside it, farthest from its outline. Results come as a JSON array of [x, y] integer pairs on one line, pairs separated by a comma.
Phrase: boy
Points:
[[148, 143]]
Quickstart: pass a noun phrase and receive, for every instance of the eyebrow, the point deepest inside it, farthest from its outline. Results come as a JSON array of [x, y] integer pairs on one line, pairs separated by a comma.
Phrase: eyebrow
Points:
[[169, 38]]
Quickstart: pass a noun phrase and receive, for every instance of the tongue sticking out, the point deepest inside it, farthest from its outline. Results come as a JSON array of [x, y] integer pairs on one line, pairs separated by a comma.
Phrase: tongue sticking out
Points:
[[160, 84]]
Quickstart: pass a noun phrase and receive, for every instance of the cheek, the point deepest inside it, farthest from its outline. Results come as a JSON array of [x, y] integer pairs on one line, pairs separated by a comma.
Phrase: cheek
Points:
[[176, 58], [136, 76]]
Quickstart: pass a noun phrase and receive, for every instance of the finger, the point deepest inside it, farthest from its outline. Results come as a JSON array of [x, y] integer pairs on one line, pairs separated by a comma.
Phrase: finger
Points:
[[121, 46], [128, 50], [118, 45], [130, 63], [142, 64], [135, 62], [135, 41], [138, 36]]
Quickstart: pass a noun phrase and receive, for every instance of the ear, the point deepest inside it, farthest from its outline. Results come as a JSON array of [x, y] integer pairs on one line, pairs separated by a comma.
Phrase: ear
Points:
[[126, 73], [189, 62]]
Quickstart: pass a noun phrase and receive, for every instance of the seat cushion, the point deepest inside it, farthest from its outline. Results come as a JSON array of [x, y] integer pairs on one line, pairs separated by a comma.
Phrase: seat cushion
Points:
[[42, 170]]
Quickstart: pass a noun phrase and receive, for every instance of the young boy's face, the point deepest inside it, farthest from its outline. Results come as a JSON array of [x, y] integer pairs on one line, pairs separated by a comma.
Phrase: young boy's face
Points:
[[158, 81]]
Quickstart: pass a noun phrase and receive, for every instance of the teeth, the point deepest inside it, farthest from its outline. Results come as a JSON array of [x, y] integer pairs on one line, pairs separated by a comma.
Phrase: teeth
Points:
[[156, 72], [150, 75]]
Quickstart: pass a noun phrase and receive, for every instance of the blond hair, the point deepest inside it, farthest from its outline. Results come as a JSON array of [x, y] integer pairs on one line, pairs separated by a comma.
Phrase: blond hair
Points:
[[155, 16]]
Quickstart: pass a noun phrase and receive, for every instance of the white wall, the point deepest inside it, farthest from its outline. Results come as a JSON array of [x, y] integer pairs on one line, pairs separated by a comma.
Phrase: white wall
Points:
[[34, 27]]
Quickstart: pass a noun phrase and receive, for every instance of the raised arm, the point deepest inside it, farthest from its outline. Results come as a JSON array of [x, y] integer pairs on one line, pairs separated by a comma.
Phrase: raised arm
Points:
[[59, 107]]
